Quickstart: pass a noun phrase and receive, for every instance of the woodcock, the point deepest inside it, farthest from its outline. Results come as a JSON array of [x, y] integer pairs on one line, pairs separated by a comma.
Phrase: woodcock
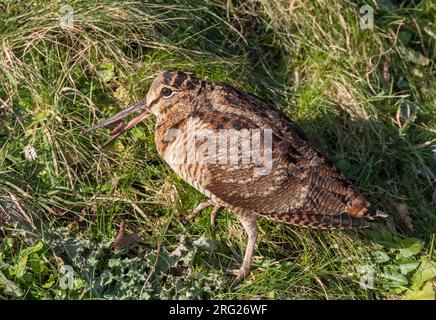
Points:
[[244, 155]]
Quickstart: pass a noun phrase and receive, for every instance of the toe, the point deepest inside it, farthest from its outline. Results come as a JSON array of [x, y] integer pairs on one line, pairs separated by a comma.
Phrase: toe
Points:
[[240, 274]]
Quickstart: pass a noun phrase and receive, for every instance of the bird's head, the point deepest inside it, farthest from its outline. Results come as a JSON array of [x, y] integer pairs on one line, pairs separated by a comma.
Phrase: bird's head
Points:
[[169, 95]]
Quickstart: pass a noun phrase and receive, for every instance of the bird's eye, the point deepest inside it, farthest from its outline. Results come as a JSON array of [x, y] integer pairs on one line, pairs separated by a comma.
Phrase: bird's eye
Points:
[[166, 92]]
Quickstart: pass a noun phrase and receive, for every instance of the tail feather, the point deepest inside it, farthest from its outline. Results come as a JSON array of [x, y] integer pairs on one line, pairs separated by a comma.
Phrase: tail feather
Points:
[[320, 221]]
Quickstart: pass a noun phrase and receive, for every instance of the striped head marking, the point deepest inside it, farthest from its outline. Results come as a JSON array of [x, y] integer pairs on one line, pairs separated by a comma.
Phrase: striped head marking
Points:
[[172, 88]]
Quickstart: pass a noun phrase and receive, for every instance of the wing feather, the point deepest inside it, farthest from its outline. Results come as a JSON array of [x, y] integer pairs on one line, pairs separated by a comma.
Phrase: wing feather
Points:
[[302, 186]]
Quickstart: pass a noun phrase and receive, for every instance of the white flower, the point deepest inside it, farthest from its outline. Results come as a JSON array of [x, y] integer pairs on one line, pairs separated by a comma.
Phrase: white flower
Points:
[[30, 153]]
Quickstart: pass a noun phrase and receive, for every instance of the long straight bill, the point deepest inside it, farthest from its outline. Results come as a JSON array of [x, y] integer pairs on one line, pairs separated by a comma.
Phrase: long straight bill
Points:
[[119, 130]]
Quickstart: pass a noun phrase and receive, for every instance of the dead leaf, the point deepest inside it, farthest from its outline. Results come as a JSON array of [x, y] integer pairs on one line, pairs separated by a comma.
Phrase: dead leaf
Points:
[[403, 213], [124, 239]]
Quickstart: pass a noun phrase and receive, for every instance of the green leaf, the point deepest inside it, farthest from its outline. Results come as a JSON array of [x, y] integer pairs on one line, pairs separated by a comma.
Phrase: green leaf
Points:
[[121, 93], [106, 71], [20, 269], [398, 290], [403, 84], [113, 262], [35, 264], [37, 247], [203, 243], [426, 293], [92, 261], [395, 278], [343, 165], [9, 76], [9, 287], [23, 256], [425, 272], [137, 133], [405, 268], [405, 36], [380, 256], [49, 283], [409, 247], [7, 244], [272, 295]]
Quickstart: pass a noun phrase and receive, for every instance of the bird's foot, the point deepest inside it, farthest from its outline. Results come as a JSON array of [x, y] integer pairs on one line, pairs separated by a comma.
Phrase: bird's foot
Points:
[[213, 216], [240, 274]]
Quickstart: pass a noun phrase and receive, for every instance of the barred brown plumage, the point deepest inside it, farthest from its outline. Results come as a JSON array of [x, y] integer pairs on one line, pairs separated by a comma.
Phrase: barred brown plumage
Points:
[[212, 135]]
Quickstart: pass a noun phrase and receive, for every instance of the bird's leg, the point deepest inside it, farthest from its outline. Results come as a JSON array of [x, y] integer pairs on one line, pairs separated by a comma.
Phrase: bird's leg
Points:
[[213, 215], [202, 206], [197, 210], [249, 224]]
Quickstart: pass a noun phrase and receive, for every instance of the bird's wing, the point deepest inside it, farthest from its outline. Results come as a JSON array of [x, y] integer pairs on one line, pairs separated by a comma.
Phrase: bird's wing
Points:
[[301, 186]]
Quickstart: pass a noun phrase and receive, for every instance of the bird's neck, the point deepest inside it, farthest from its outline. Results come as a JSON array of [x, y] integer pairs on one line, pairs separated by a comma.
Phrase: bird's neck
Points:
[[167, 125]]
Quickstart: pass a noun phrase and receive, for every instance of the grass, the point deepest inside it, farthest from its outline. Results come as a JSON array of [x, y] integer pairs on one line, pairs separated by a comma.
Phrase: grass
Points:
[[366, 98]]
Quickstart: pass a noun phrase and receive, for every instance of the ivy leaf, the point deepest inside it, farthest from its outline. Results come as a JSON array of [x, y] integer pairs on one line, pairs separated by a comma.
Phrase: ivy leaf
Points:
[[203, 243]]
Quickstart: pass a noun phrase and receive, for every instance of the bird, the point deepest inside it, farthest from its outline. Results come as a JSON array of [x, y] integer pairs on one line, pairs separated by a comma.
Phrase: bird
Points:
[[245, 155]]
